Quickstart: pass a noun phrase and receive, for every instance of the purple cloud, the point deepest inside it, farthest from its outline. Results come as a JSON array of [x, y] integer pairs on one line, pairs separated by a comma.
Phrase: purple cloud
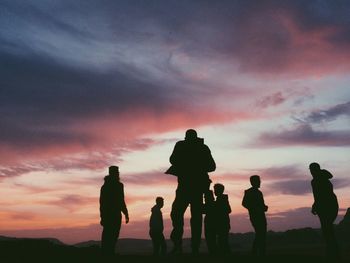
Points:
[[301, 187], [272, 100], [329, 114], [303, 135]]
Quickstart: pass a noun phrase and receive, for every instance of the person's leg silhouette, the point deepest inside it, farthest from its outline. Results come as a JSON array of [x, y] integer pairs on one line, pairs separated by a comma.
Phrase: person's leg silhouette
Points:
[[179, 207], [196, 221]]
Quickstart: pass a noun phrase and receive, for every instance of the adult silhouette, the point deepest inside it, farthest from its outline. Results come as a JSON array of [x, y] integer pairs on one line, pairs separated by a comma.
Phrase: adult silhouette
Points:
[[157, 227], [253, 200], [191, 161], [112, 205], [325, 206]]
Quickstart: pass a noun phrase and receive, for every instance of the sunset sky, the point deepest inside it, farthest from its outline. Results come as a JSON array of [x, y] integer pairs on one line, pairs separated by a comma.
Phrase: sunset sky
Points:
[[88, 84]]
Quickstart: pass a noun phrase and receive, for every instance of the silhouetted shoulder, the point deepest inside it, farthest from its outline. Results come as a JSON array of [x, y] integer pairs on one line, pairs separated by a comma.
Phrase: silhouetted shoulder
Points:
[[206, 147], [251, 191], [175, 157], [326, 174], [180, 143]]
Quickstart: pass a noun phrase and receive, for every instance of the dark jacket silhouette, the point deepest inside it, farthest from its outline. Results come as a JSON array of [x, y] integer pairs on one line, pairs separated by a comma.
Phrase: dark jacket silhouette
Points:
[[112, 204], [222, 218], [326, 203], [223, 211], [253, 200], [326, 207], [191, 161], [156, 229]]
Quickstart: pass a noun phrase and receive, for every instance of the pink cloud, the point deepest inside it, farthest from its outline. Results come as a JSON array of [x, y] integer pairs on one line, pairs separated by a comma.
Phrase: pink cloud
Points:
[[272, 100], [311, 52], [109, 139], [73, 202]]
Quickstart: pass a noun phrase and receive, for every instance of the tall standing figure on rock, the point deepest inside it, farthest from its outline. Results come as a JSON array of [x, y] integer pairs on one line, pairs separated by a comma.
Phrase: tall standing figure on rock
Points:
[[112, 205], [325, 206], [191, 161]]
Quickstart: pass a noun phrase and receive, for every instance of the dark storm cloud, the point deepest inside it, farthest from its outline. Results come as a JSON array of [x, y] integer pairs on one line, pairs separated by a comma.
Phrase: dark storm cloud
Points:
[[303, 135], [252, 32], [41, 99], [48, 91]]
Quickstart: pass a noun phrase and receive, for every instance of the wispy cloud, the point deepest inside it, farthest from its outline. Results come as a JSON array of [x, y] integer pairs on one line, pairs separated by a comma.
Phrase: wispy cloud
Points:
[[329, 114], [74, 202], [303, 135], [301, 187]]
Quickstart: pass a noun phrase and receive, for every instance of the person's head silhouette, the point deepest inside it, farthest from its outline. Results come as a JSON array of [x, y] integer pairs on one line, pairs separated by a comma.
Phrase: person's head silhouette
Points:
[[160, 201], [314, 169], [114, 171], [191, 135], [255, 181], [219, 189]]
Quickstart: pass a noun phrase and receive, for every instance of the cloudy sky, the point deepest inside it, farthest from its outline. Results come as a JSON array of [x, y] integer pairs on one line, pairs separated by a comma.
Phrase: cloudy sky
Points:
[[87, 84]]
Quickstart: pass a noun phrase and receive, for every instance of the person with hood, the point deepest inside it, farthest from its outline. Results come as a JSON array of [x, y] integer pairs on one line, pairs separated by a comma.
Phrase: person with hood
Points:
[[325, 206], [156, 228], [191, 162], [112, 205]]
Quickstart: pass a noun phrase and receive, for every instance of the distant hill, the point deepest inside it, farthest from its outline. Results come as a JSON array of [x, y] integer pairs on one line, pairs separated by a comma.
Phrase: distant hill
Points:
[[44, 240]]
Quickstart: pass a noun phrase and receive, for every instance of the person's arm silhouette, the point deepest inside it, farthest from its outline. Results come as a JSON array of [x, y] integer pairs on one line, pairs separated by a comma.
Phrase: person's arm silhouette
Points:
[[210, 161], [265, 207], [245, 202], [175, 157], [124, 208]]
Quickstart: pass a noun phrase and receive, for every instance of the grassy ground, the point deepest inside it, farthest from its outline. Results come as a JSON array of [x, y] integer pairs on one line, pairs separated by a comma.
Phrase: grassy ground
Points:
[[44, 251]]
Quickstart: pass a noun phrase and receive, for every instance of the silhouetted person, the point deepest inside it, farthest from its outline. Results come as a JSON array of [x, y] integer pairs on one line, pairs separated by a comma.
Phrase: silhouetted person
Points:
[[157, 227], [191, 161], [222, 219], [112, 204], [253, 200], [325, 206], [209, 222]]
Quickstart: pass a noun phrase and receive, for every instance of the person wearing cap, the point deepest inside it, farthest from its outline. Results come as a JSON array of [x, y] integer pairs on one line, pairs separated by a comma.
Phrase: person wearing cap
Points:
[[191, 162], [112, 205], [325, 206]]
